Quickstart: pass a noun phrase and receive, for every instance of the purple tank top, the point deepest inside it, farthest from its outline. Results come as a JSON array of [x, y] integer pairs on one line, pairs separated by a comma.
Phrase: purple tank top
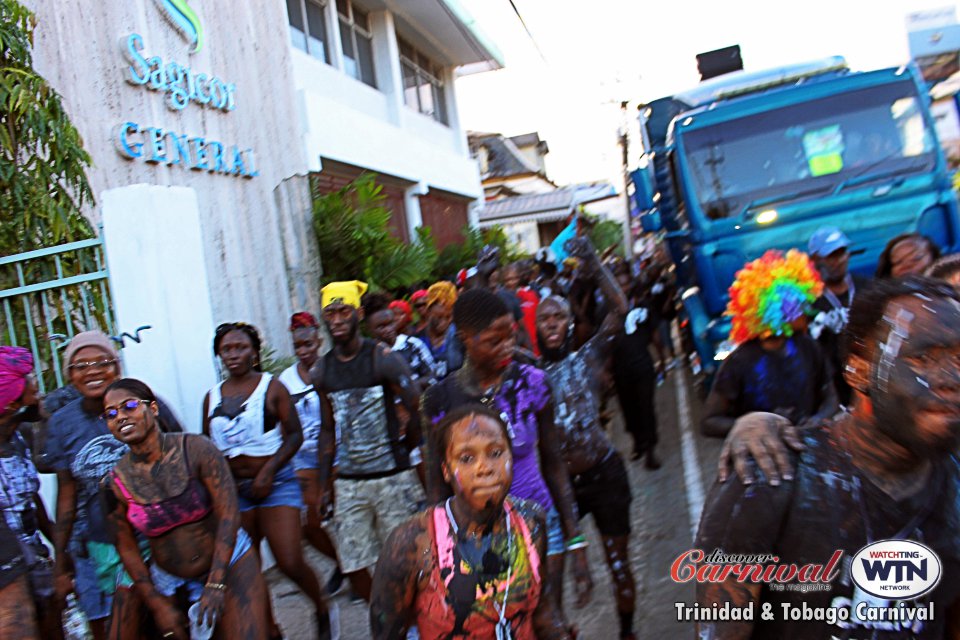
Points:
[[523, 394]]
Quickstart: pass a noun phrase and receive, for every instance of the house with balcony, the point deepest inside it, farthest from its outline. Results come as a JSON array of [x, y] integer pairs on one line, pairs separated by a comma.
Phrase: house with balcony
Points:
[[375, 90]]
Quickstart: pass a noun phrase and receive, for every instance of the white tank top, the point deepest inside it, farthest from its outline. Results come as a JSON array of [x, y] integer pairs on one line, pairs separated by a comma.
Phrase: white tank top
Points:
[[307, 402], [244, 435]]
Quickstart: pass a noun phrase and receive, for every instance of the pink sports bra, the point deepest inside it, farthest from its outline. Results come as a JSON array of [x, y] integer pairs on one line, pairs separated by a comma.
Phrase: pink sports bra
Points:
[[157, 518]]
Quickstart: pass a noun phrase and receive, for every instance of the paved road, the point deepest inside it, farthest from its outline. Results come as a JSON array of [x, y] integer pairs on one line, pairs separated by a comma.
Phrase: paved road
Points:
[[665, 507]]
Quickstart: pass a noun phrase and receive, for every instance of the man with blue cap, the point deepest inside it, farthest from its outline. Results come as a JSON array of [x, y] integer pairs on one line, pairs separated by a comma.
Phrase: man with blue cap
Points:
[[829, 249]]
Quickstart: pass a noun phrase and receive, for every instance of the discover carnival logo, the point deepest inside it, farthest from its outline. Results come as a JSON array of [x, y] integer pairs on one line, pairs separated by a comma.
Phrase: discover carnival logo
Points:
[[185, 20], [883, 576], [896, 569]]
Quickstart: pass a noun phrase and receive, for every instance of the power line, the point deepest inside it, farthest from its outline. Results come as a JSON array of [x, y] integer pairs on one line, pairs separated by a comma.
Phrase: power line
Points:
[[527, 29]]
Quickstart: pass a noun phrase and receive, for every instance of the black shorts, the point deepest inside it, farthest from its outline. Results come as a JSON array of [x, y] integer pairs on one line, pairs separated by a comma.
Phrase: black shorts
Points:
[[604, 491]]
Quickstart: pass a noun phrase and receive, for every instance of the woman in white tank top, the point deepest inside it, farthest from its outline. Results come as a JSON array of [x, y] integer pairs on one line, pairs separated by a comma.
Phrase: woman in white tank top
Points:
[[305, 331], [252, 420]]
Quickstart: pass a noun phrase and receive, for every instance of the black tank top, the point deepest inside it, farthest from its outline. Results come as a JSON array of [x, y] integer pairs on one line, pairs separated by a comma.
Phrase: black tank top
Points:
[[364, 410]]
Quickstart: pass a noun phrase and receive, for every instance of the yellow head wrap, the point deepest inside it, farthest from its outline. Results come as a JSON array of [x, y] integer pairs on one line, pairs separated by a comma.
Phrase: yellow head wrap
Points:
[[443, 292], [347, 293]]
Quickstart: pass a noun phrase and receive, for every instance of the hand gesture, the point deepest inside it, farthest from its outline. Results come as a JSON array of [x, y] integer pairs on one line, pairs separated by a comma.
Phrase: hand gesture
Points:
[[263, 484], [760, 436], [170, 622], [581, 575]]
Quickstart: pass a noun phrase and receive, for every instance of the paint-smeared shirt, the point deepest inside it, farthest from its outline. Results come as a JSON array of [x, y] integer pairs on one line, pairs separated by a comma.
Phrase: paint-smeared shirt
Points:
[[788, 382]]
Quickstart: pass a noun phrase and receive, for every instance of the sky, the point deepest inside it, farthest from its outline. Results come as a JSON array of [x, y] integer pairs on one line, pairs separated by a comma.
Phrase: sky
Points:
[[589, 55]]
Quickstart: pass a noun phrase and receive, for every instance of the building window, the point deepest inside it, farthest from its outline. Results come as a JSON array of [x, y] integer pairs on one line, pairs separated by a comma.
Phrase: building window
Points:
[[422, 87], [357, 42], [308, 27]]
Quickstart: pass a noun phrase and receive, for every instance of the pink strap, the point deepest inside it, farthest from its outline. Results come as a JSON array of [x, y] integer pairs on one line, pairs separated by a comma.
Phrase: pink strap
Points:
[[445, 542], [123, 489]]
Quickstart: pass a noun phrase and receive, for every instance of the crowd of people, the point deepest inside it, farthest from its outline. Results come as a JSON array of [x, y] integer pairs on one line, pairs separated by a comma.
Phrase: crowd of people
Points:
[[393, 452], [445, 447]]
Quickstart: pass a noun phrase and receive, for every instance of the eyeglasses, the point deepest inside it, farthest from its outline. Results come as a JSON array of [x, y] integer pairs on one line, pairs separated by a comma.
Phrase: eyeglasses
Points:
[[127, 407], [96, 365]]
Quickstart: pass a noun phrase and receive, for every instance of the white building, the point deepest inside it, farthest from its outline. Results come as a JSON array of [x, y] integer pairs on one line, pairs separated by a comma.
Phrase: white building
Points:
[[387, 69], [208, 122]]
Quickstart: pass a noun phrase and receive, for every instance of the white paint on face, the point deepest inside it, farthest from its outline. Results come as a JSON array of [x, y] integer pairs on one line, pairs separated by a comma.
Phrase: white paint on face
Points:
[[900, 322]]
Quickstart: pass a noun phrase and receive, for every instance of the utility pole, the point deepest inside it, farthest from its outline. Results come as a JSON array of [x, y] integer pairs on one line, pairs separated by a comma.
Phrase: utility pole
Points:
[[624, 141]]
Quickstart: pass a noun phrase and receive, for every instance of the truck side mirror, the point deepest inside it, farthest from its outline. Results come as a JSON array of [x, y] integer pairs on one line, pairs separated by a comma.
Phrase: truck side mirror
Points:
[[643, 187]]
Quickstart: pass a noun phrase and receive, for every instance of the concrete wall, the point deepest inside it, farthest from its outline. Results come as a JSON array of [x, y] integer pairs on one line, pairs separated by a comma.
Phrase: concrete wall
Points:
[[77, 49], [154, 248]]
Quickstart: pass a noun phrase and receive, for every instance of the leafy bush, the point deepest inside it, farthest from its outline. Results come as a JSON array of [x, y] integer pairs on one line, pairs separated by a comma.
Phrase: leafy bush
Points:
[[606, 234], [352, 226], [454, 257], [43, 182]]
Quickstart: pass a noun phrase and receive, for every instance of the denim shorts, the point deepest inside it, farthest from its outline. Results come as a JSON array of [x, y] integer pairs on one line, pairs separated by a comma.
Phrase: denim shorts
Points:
[[94, 602], [167, 584], [285, 493], [555, 545]]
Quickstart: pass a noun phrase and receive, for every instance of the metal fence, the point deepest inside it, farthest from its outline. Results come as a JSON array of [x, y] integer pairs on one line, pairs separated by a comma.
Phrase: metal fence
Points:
[[48, 295]]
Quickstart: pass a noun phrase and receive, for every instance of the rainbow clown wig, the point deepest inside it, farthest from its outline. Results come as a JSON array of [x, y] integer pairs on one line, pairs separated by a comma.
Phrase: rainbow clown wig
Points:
[[770, 294]]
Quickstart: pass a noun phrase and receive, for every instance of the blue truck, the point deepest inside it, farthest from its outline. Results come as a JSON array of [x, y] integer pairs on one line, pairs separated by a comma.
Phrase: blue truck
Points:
[[751, 161]]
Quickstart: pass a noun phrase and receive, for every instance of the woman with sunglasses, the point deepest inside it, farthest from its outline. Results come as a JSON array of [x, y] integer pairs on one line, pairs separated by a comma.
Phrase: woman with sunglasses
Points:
[[251, 418], [82, 451], [176, 492]]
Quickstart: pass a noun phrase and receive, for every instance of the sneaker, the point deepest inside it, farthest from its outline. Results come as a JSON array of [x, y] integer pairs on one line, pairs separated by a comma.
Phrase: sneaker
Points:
[[335, 583]]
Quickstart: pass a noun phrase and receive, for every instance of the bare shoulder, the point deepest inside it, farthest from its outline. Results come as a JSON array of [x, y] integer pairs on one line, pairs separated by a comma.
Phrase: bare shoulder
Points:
[[408, 551], [197, 445]]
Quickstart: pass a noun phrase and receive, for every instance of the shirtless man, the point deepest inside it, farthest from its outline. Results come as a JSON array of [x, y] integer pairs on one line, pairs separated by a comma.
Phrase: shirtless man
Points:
[[597, 472]]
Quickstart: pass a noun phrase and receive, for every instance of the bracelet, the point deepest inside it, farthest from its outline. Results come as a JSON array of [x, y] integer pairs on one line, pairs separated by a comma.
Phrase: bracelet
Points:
[[576, 542], [215, 585]]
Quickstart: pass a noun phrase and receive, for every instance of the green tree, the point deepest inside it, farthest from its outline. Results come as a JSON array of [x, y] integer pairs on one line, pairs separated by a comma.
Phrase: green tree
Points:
[[352, 226], [606, 234], [462, 255], [43, 182]]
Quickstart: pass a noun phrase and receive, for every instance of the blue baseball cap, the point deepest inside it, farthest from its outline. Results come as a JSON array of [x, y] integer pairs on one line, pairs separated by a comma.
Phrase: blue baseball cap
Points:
[[826, 240]]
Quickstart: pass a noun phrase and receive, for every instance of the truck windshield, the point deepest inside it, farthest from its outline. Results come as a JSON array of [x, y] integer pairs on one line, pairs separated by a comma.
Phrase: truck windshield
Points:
[[808, 149]]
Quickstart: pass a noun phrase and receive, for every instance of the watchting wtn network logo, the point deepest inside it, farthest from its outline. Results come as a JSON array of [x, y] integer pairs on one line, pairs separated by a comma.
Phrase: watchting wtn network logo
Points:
[[896, 569]]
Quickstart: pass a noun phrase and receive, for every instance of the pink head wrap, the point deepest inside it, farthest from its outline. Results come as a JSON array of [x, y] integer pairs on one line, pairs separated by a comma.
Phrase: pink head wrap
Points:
[[15, 364]]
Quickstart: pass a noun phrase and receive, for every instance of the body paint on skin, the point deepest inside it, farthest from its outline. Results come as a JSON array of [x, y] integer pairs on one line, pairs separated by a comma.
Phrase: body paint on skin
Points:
[[889, 350]]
